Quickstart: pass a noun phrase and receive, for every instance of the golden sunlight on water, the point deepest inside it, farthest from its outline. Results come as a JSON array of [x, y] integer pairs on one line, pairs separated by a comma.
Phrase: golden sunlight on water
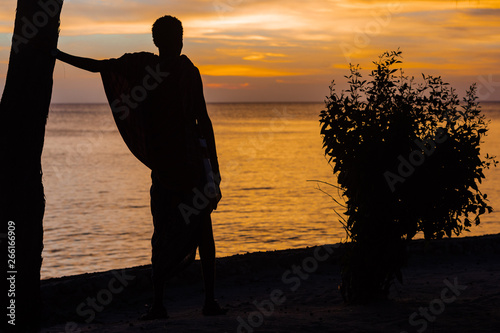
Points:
[[266, 167], [490, 223], [98, 218]]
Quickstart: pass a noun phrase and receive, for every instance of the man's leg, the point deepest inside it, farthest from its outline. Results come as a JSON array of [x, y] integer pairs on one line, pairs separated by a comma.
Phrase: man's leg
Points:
[[158, 287], [207, 256], [157, 310]]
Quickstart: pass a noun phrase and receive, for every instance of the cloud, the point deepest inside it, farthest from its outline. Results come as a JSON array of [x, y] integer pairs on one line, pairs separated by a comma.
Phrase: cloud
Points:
[[245, 70], [288, 40], [265, 57], [229, 86]]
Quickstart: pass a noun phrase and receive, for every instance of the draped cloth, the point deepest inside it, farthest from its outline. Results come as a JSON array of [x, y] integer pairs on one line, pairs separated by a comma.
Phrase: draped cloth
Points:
[[160, 111]]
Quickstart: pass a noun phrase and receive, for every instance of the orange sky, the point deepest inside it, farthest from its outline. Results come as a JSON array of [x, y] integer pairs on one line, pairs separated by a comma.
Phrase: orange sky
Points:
[[276, 50]]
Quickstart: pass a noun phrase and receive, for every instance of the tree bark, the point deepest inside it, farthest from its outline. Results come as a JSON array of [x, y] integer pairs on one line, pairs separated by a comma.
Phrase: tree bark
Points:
[[23, 113]]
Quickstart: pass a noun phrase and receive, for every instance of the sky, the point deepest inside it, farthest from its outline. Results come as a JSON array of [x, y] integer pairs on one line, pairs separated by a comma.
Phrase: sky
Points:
[[277, 50]]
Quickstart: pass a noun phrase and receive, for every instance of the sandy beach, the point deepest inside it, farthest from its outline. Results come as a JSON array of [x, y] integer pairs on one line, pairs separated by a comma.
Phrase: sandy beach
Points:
[[451, 285]]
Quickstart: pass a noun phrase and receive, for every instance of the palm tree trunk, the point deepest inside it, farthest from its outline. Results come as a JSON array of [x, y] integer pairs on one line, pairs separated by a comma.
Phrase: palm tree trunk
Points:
[[23, 113]]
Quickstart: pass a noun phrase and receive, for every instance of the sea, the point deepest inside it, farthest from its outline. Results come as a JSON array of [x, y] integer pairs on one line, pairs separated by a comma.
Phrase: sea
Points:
[[275, 186]]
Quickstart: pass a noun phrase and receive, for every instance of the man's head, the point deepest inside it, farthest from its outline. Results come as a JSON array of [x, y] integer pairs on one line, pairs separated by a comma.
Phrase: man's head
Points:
[[167, 35]]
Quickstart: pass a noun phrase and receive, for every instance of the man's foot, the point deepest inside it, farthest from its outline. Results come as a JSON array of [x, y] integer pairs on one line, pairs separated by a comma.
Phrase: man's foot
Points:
[[213, 309], [155, 313]]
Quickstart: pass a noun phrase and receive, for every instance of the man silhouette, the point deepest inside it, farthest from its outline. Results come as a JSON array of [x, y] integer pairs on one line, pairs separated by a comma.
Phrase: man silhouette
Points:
[[160, 111]]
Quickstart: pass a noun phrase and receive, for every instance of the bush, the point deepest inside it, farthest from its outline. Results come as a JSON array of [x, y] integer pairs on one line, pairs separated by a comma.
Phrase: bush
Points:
[[407, 159]]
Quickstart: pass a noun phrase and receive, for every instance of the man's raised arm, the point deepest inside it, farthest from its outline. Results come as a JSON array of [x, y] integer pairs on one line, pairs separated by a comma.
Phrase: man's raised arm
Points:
[[87, 64]]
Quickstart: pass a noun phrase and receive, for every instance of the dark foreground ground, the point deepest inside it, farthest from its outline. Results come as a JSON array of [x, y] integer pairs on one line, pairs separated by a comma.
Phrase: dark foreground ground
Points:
[[451, 285]]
